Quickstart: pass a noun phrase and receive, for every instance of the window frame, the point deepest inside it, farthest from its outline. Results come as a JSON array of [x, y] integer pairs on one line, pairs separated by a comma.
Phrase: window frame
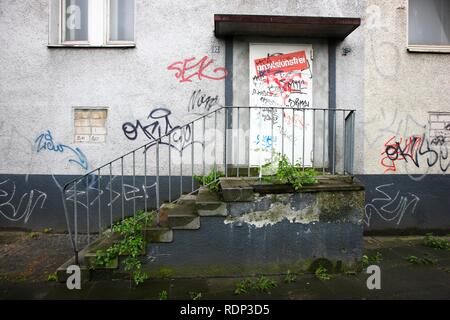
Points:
[[62, 26], [422, 47], [102, 36], [107, 26]]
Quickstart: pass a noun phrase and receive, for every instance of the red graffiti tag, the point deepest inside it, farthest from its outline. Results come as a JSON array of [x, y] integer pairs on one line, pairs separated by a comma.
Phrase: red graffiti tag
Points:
[[188, 68], [394, 151]]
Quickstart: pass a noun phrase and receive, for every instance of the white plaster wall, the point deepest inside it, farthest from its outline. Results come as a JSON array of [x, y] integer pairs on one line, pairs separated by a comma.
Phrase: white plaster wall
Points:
[[400, 87], [40, 86]]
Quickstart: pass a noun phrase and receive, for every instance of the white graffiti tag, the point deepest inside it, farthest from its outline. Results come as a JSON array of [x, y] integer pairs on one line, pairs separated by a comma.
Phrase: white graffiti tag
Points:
[[27, 203], [390, 208]]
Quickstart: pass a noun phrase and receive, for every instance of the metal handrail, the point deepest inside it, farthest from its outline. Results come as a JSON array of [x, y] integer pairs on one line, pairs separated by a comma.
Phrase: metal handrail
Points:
[[73, 233]]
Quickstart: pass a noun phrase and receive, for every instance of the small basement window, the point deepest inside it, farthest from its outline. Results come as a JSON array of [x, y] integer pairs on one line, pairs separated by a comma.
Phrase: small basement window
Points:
[[90, 125], [429, 25]]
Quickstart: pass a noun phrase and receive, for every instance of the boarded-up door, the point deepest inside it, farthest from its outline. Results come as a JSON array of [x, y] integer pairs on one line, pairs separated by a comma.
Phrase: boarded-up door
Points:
[[280, 78]]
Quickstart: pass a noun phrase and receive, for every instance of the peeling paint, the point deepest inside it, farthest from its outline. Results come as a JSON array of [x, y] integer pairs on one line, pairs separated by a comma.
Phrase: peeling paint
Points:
[[275, 214]]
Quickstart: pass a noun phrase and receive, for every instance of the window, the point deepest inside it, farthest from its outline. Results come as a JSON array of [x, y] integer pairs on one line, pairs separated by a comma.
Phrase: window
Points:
[[94, 23], [90, 125], [429, 25], [439, 127]]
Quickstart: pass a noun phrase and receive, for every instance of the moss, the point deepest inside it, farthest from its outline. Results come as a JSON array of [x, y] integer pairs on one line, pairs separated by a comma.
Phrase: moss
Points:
[[337, 206], [213, 270], [165, 272]]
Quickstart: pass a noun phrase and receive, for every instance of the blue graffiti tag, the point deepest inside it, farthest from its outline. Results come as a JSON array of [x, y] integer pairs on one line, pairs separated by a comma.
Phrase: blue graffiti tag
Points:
[[45, 142], [265, 141]]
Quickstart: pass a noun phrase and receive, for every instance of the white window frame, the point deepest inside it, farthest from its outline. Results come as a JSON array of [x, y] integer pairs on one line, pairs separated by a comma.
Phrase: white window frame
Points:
[[422, 47], [107, 25], [98, 29]]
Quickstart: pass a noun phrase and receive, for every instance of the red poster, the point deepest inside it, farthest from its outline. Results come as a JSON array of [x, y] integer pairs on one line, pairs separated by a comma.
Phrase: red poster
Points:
[[284, 63]]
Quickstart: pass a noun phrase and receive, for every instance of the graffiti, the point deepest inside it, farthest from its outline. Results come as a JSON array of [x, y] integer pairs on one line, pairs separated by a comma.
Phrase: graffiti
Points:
[[202, 101], [390, 206], [188, 69], [159, 126], [26, 204], [94, 193], [296, 120], [298, 103], [414, 149], [44, 142], [280, 75], [265, 141]]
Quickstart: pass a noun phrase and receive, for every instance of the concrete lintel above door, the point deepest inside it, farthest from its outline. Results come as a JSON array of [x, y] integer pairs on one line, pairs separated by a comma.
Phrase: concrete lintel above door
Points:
[[287, 26]]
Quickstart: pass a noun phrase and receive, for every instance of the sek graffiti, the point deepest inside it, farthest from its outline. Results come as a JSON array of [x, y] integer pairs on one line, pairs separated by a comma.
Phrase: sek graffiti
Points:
[[391, 205], [189, 68], [416, 150], [44, 142]]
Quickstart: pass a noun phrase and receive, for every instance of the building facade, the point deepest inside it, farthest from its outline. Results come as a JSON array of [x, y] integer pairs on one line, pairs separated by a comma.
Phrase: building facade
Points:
[[85, 81]]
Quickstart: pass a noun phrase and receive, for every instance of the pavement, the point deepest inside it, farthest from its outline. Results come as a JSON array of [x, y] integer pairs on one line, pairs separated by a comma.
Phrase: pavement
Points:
[[409, 270]]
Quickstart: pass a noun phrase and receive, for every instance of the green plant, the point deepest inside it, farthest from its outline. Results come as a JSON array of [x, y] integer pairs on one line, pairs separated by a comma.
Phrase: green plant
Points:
[[163, 295], [419, 260], [321, 273], [435, 242], [290, 277], [369, 260], [289, 173], [264, 284], [33, 235], [211, 180], [52, 277], [132, 244], [243, 286], [195, 295], [47, 230]]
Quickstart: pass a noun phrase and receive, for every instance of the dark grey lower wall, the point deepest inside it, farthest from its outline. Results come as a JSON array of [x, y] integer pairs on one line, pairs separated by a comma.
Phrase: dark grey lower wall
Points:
[[394, 203], [406, 203], [35, 202], [231, 249]]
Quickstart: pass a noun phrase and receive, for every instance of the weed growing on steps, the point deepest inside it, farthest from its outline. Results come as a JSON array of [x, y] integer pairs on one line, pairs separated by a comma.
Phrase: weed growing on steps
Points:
[[435, 242], [132, 244], [211, 180], [285, 172]]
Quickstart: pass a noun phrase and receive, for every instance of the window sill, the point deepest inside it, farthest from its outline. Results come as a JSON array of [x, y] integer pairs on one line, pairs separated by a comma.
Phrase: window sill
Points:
[[429, 49], [122, 45]]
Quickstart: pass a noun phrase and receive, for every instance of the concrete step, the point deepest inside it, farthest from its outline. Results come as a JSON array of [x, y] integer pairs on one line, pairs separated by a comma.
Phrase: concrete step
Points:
[[158, 235], [243, 171], [209, 204], [179, 216], [237, 189], [187, 199]]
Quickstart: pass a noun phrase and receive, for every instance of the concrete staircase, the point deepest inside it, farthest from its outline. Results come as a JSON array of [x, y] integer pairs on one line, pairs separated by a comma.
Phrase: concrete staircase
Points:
[[250, 226], [184, 214]]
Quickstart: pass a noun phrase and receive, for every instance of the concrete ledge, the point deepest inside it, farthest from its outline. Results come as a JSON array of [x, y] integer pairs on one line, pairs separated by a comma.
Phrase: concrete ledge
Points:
[[236, 189], [209, 204], [157, 235]]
